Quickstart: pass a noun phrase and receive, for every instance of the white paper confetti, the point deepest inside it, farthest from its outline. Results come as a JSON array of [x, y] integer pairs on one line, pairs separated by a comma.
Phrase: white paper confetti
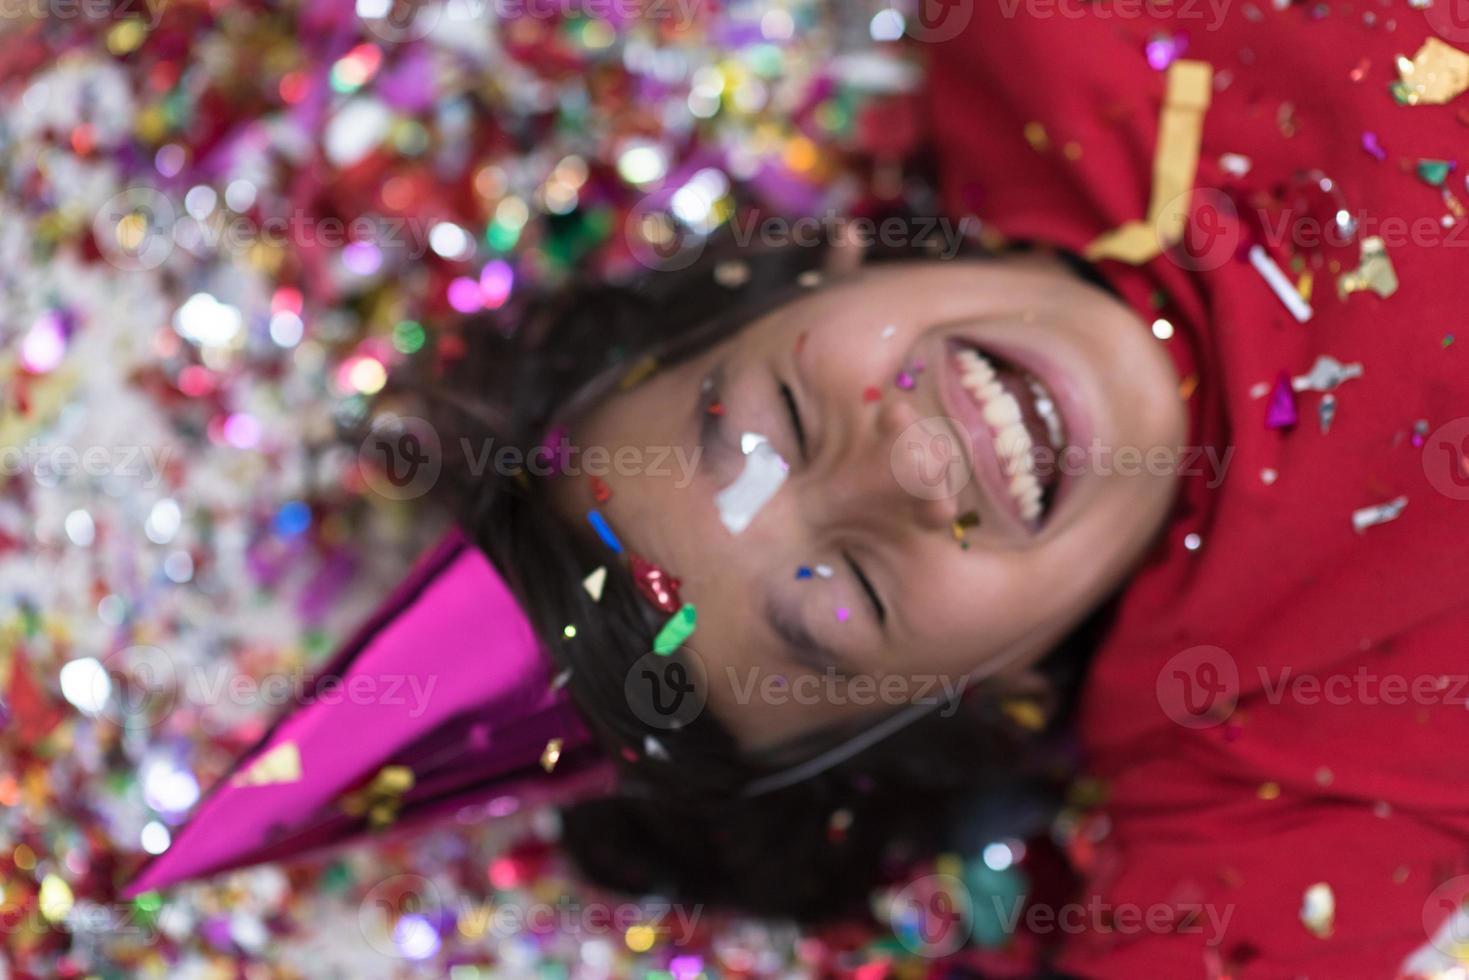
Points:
[[764, 473], [1365, 517]]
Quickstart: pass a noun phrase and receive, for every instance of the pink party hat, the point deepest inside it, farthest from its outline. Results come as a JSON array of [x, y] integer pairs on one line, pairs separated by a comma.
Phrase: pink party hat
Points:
[[486, 730]]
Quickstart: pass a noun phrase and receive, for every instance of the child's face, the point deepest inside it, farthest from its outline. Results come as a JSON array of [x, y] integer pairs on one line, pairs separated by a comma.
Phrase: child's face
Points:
[[880, 472]]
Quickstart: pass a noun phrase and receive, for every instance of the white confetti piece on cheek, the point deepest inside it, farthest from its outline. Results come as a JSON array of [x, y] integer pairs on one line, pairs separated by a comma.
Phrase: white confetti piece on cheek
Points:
[[760, 480]]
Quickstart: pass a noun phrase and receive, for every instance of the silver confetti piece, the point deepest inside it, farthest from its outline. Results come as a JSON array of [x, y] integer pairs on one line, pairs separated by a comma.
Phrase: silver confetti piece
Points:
[[1365, 517], [1327, 412], [1326, 374]]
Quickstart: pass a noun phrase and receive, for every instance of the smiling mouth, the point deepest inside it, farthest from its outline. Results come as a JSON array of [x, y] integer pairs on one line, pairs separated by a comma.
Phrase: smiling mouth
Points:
[[1020, 413]]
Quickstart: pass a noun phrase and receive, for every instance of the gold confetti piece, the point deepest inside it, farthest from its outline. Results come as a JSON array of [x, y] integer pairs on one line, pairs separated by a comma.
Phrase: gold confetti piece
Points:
[[551, 754], [1375, 272], [1268, 791], [380, 799], [1024, 713], [1305, 284], [1036, 136], [1175, 166], [638, 373], [281, 764], [1318, 910], [1451, 202], [594, 583], [1438, 73]]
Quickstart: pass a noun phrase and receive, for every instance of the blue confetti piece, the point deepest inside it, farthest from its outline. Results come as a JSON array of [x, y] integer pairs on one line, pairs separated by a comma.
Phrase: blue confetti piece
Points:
[[803, 572], [293, 518], [604, 531]]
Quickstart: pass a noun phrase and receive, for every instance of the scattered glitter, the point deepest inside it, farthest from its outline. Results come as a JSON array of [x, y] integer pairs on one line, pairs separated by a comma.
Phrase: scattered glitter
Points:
[[1279, 284], [732, 274], [1438, 73], [1375, 272], [1162, 329], [551, 754], [604, 531], [1269, 476], [43, 348], [1434, 172], [1326, 374], [1326, 412], [1318, 910], [679, 628], [1281, 412], [656, 586], [1366, 517], [1164, 49], [871, 394], [905, 381], [843, 614], [595, 583], [653, 749], [1192, 541], [1373, 147]]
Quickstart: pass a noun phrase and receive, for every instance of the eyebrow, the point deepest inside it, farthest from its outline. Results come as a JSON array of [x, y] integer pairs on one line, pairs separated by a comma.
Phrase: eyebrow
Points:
[[805, 648]]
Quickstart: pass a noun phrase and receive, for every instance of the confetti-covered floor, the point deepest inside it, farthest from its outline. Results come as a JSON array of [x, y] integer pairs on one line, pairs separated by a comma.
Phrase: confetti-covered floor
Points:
[[221, 226]]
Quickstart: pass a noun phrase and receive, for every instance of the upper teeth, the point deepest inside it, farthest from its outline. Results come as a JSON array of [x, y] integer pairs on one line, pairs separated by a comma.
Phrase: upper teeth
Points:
[[1001, 412]]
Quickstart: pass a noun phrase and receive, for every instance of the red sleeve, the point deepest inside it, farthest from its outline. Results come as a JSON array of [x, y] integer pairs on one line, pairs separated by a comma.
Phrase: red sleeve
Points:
[[1324, 761]]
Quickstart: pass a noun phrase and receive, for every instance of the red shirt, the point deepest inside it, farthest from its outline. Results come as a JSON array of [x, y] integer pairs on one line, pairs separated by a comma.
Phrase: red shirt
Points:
[[1344, 655]]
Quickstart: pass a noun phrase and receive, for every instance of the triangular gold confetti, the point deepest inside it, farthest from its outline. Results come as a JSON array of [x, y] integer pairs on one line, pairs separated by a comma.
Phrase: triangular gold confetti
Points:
[[551, 754], [281, 764], [594, 583]]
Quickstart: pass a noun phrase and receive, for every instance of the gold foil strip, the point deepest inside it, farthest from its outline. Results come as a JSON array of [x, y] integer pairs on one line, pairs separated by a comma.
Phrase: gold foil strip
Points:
[[1175, 166]]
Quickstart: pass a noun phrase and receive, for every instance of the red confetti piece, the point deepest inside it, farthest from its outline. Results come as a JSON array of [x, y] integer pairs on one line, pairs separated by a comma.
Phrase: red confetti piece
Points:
[[601, 492], [871, 393], [656, 585]]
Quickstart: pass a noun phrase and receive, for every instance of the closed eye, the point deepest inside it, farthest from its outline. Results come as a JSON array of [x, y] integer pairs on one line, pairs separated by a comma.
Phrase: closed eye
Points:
[[878, 608], [795, 414]]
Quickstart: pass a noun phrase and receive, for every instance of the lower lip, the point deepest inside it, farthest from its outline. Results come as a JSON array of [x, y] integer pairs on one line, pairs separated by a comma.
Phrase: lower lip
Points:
[[1075, 421]]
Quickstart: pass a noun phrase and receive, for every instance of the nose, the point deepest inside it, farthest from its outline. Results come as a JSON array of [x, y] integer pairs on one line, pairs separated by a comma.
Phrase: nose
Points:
[[902, 473]]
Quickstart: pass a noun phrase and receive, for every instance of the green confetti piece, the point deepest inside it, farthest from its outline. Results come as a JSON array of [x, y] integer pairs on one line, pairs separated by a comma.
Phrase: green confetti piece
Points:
[[1434, 172], [679, 627]]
